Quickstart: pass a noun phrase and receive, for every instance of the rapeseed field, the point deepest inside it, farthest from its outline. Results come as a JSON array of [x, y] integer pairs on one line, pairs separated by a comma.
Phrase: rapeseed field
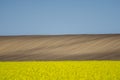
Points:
[[60, 70]]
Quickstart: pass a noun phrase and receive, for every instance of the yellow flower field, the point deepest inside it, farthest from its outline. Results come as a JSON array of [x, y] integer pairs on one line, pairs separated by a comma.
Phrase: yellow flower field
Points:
[[60, 70]]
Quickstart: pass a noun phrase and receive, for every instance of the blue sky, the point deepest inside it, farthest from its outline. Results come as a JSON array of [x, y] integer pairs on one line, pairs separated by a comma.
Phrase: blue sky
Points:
[[38, 17]]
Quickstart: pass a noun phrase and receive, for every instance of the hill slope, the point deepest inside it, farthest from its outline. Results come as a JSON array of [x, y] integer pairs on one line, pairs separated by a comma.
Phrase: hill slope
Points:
[[60, 47]]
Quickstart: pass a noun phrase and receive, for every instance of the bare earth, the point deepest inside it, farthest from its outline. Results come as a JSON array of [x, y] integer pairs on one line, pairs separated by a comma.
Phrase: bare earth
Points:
[[60, 47]]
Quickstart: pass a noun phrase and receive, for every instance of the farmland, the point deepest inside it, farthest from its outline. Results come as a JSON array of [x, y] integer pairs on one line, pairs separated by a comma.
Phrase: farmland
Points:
[[60, 70]]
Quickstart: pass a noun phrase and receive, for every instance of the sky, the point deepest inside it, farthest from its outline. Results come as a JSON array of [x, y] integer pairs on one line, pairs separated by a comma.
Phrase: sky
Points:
[[56, 17]]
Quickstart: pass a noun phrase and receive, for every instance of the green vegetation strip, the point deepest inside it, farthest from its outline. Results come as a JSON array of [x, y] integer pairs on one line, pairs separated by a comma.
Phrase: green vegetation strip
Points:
[[60, 70]]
